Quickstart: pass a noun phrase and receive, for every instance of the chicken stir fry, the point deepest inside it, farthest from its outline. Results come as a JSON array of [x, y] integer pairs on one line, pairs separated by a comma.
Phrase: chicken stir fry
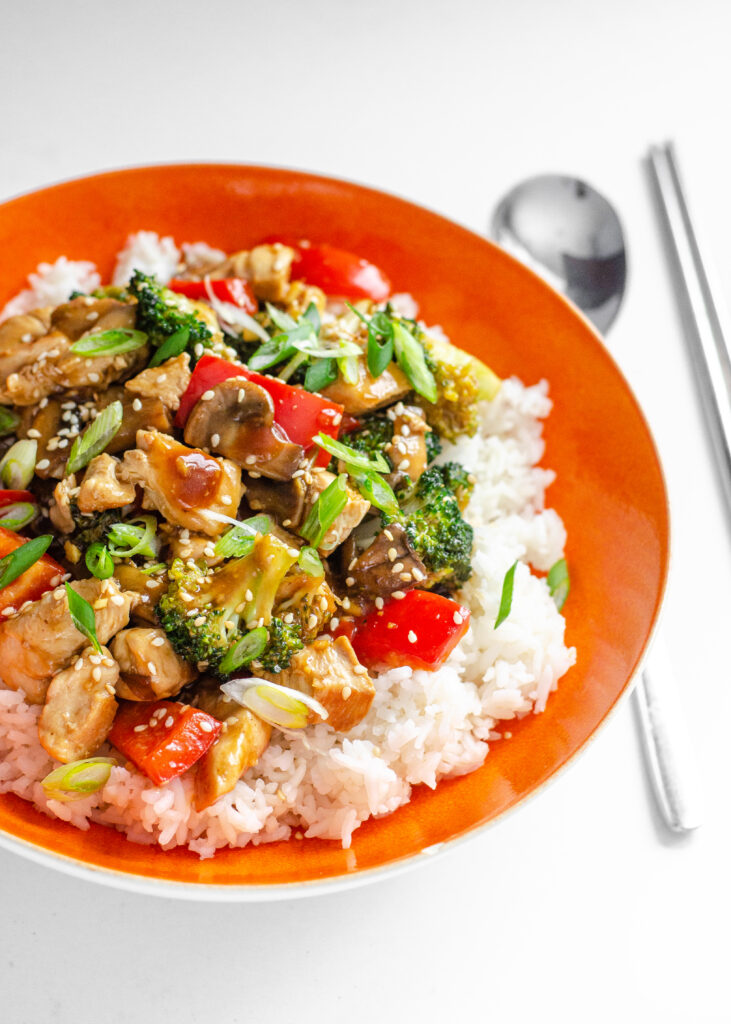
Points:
[[220, 494]]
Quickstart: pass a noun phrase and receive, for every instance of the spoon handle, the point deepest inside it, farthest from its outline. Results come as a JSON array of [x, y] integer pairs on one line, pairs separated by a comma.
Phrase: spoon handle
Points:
[[704, 332], [670, 760]]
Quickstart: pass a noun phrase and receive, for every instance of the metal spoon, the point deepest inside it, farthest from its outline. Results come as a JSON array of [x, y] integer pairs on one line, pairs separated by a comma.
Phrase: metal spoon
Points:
[[567, 232]]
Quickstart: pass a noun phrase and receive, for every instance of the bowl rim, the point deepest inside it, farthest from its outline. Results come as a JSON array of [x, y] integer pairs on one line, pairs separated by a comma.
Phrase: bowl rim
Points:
[[276, 891]]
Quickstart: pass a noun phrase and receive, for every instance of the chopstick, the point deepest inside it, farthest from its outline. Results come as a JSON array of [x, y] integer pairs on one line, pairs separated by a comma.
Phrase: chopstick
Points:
[[704, 331]]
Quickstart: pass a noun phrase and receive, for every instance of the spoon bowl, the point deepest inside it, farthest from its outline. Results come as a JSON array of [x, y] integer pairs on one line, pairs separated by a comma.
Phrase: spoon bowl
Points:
[[567, 232]]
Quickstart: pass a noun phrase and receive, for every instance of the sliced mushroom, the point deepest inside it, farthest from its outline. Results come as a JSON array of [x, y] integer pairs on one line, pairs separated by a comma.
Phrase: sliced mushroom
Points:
[[80, 707], [43, 424], [389, 564], [237, 420], [369, 393], [285, 501], [138, 413], [149, 668], [184, 484]]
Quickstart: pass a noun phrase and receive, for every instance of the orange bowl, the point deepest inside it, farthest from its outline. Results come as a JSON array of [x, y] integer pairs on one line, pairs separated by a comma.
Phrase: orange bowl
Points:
[[609, 491]]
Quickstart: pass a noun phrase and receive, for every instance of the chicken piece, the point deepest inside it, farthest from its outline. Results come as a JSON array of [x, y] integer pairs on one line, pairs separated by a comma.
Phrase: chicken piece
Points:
[[101, 487], [36, 643], [49, 367], [369, 393], [329, 671], [43, 424], [267, 268], [407, 448], [18, 334], [146, 589], [184, 544], [237, 420], [80, 707], [166, 382], [355, 509], [59, 512], [183, 483], [300, 295], [243, 740], [389, 564], [149, 668]]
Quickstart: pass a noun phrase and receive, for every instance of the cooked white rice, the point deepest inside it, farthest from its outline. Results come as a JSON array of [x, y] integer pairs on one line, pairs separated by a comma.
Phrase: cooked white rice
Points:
[[422, 726]]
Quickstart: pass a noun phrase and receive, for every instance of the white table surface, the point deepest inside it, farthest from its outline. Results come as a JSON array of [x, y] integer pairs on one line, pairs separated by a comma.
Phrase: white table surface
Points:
[[578, 907]]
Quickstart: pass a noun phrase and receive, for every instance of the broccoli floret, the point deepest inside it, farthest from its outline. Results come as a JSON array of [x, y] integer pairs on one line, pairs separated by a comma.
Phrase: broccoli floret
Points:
[[284, 640], [91, 528], [433, 445], [374, 434], [229, 600], [161, 312], [307, 600], [459, 481], [462, 381], [430, 514]]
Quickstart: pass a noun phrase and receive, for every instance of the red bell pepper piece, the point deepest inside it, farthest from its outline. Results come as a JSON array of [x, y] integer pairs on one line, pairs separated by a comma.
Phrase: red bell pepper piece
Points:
[[235, 290], [337, 271], [10, 497], [43, 575], [300, 414], [164, 738], [421, 630]]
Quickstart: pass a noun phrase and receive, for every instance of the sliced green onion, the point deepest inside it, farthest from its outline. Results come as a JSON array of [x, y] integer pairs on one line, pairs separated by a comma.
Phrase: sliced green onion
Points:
[[238, 542], [125, 540], [412, 360], [279, 705], [376, 490], [325, 511], [280, 319], [349, 367], [294, 364], [321, 373], [558, 582], [506, 598], [9, 421], [247, 649], [273, 351], [312, 314], [309, 562], [148, 570], [19, 514], [380, 340], [232, 318], [171, 347], [78, 779], [98, 561], [82, 616], [95, 438], [350, 456], [18, 465], [109, 343], [17, 562]]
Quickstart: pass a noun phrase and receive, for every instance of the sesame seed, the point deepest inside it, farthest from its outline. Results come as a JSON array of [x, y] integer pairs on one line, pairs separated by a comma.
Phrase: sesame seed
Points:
[[286, 522], [226, 499], [200, 621], [151, 584], [152, 668], [206, 396], [417, 574], [33, 433], [137, 405], [94, 378], [250, 460], [405, 429], [43, 464], [312, 621], [185, 596], [242, 395], [79, 665], [249, 596], [27, 337], [298, 473], [110, 689], [405, 576], [398, 595], [161, 377], [289, 617], [346, 692], [379, 602], [334, 622], [139, 728], [95, 659], [392, 553], [458, 619], [397, 567], [117, 599], [92, 316], [215, 440], [412, 637], [206, 726], [345, 603], [59, 595], [96, 674], [404, 464], [198, 350], [388, 534], [254, 476]]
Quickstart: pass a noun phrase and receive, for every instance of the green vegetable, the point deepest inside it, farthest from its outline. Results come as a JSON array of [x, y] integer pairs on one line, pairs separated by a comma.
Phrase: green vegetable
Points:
[[373, 435], [558, 582], [95, 438], [410, 356], [9, 421], [298, 342], [459, 481], [325, 511], [462, 381], [230, 600], [18, 465], [171, 347], [350, 456], [109, 343], [310, 562], [321, 373], [250, 646], [91, 528], [283, 640], [281, 706], [98, 561], [433, 445], [239, 541], [162, 313], [431, 517], [148, 570], [19, 514], [506, 598], [82, 616], [78, 779], [127, 539], [376, 490], [380, 340], [17, 562]]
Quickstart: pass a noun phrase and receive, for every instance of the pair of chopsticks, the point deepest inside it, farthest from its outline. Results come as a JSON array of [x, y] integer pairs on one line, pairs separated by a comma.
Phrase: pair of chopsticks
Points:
[[670, 759]]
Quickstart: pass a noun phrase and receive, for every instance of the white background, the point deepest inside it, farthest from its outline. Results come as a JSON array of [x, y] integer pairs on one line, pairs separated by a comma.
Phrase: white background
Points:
[[578, 907]]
